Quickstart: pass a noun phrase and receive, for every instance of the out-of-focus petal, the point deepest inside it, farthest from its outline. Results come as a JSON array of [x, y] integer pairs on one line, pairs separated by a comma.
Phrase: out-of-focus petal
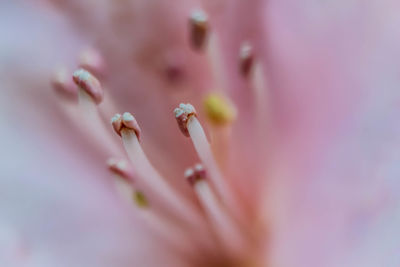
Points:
[[333, 191]]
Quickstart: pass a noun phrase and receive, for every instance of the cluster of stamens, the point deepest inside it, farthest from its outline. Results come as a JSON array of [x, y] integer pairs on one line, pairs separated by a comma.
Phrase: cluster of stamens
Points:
[[214, 193]]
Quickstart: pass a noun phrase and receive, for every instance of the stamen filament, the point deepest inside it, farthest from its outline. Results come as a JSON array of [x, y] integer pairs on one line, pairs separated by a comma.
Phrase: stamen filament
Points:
[[90, 94], [123, 179], [252, 69], [224, 226], [144, 169], [94, 121], [203, 39], [162, 228], [259, 87], [124, 189], [167, 231], [204, 152]]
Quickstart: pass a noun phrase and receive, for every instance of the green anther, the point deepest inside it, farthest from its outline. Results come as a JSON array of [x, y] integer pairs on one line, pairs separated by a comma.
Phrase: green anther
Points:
[[140, 199], [218, 109]]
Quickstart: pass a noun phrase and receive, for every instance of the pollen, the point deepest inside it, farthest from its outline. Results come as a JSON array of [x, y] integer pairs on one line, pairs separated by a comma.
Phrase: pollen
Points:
[[219, 109]]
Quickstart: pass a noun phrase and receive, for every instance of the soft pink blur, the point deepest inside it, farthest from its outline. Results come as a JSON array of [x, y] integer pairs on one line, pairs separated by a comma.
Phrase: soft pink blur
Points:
[[327, 192]]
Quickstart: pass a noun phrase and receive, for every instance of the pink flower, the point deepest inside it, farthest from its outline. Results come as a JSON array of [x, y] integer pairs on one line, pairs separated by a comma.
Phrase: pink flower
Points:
[[298, 100]]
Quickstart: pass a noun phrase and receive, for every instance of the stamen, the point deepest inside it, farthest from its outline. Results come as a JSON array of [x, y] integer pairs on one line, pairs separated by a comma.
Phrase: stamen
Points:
[[125, 121], [88, 83], [91, 60], [203, 39], [123, 179], [190, 123], [167, 231], [120, 168], [225, 228], [219, 109], [90, 94], [258, 85], [156, 183], [198, 22], [182, 114], [246, 58], [116, 122], [62, 83], [162, 227]]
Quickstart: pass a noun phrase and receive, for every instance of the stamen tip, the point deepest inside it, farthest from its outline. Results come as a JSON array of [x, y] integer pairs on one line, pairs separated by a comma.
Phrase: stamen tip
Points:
[[182, 115], [116, 122], [89, 83], [127, 120], [127, 117], [178, 112], [188, 172], [119, 167], [246, 58], [195, 174], [199, 28]]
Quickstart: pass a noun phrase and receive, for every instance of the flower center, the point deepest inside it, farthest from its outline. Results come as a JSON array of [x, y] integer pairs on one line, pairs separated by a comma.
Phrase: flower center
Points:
[[219, 228]]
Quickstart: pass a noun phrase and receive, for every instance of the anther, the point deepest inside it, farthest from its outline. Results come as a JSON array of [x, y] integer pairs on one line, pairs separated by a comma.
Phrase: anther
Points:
[[199, 28], [182, 115], [127, 120], [116, 122], [89, 83], [62, 83], [246, 59], [193, 175], [120, 168], [219, 109], [140, 199]]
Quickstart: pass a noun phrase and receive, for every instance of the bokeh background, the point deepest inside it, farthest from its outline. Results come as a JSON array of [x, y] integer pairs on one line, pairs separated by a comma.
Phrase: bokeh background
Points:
[[328, 189]]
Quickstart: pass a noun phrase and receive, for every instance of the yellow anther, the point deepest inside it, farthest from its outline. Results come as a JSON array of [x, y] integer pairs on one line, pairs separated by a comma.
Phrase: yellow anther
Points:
[[219, 109], [140, 199]]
